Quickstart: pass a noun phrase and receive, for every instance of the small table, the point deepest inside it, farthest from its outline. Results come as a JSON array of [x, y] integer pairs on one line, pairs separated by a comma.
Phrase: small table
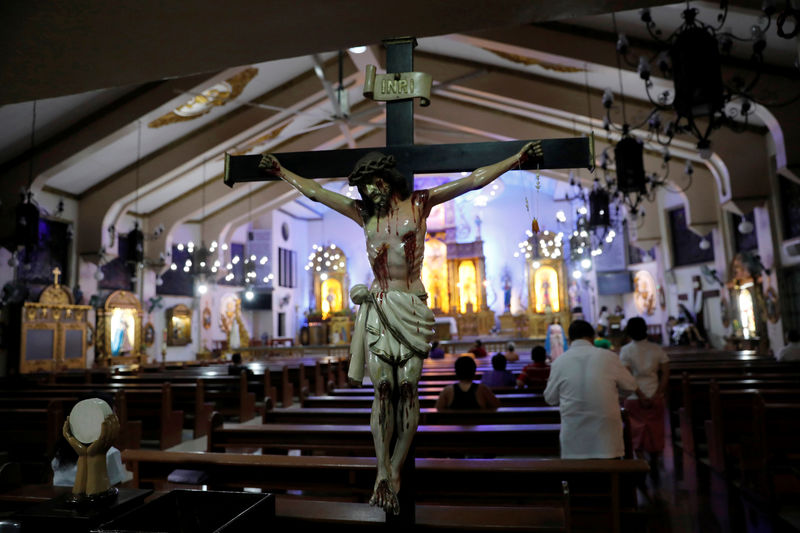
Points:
[[59, 515]]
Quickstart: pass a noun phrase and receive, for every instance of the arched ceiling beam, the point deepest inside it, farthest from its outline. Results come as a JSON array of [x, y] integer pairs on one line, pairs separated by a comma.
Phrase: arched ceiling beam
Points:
[[783, 122]]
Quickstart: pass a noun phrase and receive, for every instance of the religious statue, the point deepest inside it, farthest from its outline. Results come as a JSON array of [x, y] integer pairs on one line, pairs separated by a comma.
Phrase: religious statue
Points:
[[555, 343], [394, 325], [231, 323], [506, 292], [548, 305], [91, 443], [644, 294]]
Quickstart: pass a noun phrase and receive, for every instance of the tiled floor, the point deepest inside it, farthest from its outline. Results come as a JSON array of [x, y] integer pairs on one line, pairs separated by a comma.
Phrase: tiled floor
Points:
[[697, 501]]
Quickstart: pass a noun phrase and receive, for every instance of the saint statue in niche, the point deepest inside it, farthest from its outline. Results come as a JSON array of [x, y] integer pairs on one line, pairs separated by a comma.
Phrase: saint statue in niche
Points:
[[506, 292], [394, 325], [644, 295]]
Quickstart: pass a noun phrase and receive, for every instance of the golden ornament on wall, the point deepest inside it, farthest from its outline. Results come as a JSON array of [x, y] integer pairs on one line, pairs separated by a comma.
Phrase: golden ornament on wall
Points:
[[524, 60], [201, 104]]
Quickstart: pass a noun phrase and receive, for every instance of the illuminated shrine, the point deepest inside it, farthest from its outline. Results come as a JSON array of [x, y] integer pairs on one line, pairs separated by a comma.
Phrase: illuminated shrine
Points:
[[434, 274], [748, 305], [547, 282], [454, 275], [328, 266]]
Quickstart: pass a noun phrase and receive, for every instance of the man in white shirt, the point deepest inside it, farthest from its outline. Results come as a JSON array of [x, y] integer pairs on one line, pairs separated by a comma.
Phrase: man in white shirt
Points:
[[583, 382], [790, 352]]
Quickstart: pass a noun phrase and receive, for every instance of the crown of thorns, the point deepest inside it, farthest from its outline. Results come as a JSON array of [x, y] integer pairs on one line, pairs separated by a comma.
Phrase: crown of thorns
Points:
[[374, 163]]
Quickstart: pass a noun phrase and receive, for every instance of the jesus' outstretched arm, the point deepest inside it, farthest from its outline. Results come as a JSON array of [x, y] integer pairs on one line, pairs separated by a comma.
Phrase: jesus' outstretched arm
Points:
[[311, 189], [484, 175]]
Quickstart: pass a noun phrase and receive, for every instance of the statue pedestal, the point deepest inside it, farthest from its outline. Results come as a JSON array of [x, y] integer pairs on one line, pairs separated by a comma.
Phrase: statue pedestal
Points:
[[60, 515], [485, 322], [507, 324], [317, 333]]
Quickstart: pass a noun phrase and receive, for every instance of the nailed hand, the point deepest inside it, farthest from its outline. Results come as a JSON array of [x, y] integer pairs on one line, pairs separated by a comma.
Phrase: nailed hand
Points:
[[269, 164], [532, 150]]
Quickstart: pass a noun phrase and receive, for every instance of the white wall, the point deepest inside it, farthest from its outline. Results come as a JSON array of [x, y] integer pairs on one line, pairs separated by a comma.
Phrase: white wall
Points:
[[684, 275], [297, 241]]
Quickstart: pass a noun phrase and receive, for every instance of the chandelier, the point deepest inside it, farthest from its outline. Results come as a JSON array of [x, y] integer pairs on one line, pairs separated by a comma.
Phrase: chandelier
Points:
[[691, 56], [325, 259], [203, 264]]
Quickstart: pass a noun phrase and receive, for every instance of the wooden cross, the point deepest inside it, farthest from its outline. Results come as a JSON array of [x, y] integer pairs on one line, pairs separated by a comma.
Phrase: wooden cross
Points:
[[575, 152], [56, 272]]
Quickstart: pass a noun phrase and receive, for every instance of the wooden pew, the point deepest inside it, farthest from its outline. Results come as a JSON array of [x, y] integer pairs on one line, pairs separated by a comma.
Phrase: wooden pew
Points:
[[604, 497], [130, 434], [695, 406], [154, 408], [772, 467], [506, 400], [499, 439], [422, 391], [149, 403], [731, 432], [30, 434], [428, 416]]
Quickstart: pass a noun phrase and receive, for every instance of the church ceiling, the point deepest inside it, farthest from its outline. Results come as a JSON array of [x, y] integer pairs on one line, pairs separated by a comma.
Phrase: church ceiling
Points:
[[149, 147]]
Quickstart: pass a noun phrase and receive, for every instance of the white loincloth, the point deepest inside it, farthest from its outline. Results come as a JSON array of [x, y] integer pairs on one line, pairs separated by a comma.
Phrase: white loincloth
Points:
[[394, 325]]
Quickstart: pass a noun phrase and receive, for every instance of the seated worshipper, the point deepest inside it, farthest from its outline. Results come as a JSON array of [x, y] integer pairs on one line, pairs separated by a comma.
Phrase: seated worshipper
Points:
[[602, 341], [790, 352], [436, 352], [583, 383], [499, 377], [478, 350], [534, 375], [646, 361], [511, 354], [236, 366], [465, 394]]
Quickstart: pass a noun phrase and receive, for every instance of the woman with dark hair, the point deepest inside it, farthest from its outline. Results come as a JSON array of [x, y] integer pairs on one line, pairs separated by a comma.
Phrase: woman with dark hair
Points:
[[465, 394], [649, 365]]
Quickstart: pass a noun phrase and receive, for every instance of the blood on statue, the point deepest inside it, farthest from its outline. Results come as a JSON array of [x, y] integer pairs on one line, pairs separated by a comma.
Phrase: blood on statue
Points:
[[393, 319]]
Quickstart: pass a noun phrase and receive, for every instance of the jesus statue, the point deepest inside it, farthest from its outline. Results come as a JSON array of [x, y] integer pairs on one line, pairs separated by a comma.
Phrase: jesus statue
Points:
[[393, 326]]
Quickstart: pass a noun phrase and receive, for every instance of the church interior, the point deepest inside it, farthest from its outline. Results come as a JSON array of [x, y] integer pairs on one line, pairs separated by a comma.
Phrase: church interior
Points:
[[137, 257]]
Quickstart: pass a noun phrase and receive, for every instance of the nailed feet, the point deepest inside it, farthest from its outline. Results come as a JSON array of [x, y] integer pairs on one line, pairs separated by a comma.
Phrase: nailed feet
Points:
[[385, 497]]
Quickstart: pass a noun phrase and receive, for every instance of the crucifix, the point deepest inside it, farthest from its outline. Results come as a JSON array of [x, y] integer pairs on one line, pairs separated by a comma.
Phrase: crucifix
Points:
[[56, 272], [394, 324]]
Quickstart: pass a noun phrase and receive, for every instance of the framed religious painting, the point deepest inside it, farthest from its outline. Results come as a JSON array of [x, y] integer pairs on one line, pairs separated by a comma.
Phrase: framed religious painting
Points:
[[771, 305], [207, 318], [119, 330], [149, 334], [179, 325]]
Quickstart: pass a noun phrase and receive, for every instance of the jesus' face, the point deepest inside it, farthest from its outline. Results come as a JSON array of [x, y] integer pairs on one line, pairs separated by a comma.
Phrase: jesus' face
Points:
[[377, 190]]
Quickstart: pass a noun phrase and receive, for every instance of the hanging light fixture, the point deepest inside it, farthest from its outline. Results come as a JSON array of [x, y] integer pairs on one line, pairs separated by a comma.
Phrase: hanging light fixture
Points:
[[692, 57], [26, 213]]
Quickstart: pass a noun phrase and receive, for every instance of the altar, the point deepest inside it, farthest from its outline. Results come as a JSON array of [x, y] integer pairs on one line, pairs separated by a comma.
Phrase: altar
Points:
[[547, 285], [454, 275]]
